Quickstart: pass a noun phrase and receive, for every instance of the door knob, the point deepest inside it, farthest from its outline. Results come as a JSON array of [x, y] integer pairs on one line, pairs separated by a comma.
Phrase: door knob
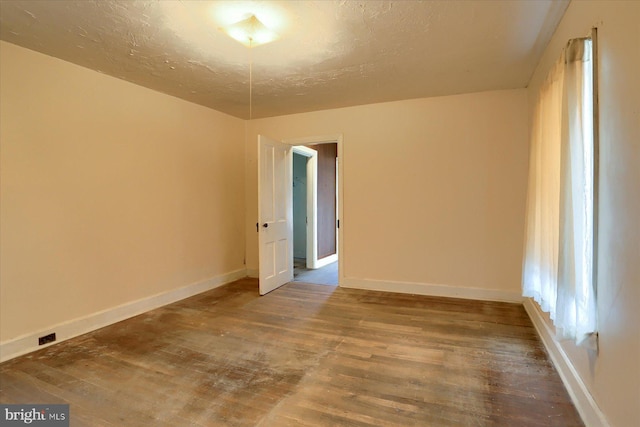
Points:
[[265, 225]]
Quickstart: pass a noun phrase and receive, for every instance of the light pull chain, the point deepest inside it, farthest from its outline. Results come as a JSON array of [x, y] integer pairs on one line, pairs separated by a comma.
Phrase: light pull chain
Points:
[[250, 78]]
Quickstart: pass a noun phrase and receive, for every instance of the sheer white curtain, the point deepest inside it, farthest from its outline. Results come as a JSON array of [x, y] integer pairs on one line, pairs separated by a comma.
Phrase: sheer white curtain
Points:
[[540, 272], [558, 264]]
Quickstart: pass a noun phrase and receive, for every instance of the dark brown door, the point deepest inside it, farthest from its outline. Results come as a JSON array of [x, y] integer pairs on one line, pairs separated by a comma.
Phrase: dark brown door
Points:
[[327, 154]]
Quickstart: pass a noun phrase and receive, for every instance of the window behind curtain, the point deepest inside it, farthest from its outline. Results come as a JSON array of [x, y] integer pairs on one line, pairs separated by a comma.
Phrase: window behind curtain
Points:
[[559, 246]]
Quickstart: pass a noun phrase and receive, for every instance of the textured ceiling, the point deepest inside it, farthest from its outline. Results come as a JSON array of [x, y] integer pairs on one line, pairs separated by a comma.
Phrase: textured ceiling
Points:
[[330, 53]]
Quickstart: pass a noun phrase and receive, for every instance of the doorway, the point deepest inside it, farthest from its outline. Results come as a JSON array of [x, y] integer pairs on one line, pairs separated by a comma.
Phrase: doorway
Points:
[[315, 213], [275, 208]]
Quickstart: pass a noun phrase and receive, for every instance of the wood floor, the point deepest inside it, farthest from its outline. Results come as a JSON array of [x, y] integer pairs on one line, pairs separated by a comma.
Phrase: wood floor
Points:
[[303, 355]]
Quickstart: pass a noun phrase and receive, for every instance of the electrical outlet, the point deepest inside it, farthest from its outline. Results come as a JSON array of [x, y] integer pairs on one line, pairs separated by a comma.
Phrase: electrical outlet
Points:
[[47, 339]]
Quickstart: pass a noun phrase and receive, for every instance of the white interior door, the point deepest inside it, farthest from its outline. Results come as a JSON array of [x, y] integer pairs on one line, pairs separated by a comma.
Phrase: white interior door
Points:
[[275, 229]]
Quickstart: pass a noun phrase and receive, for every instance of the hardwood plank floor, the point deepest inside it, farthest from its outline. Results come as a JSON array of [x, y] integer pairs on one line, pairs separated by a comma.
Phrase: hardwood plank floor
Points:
[[303, 355]]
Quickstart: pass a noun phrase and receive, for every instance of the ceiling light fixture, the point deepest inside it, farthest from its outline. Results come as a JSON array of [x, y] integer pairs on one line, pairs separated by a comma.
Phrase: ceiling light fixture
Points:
[[251, 33]]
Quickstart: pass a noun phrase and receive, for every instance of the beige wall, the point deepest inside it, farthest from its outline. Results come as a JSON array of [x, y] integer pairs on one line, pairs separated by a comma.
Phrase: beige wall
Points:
[[110, 192], [434, 188], [613, 376]]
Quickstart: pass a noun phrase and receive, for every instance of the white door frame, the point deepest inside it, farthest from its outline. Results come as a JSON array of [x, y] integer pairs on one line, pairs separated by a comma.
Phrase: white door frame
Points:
[[324, 139], [312, 203]]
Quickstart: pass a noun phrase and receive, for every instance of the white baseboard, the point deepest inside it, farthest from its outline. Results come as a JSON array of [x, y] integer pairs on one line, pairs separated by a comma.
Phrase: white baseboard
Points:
[[432, 290], [580, 395], [72, 328], [325, 261], [253, 273]]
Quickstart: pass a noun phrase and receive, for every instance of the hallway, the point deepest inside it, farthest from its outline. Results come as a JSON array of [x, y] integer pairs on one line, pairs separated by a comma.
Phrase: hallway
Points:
[[327, 275]]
